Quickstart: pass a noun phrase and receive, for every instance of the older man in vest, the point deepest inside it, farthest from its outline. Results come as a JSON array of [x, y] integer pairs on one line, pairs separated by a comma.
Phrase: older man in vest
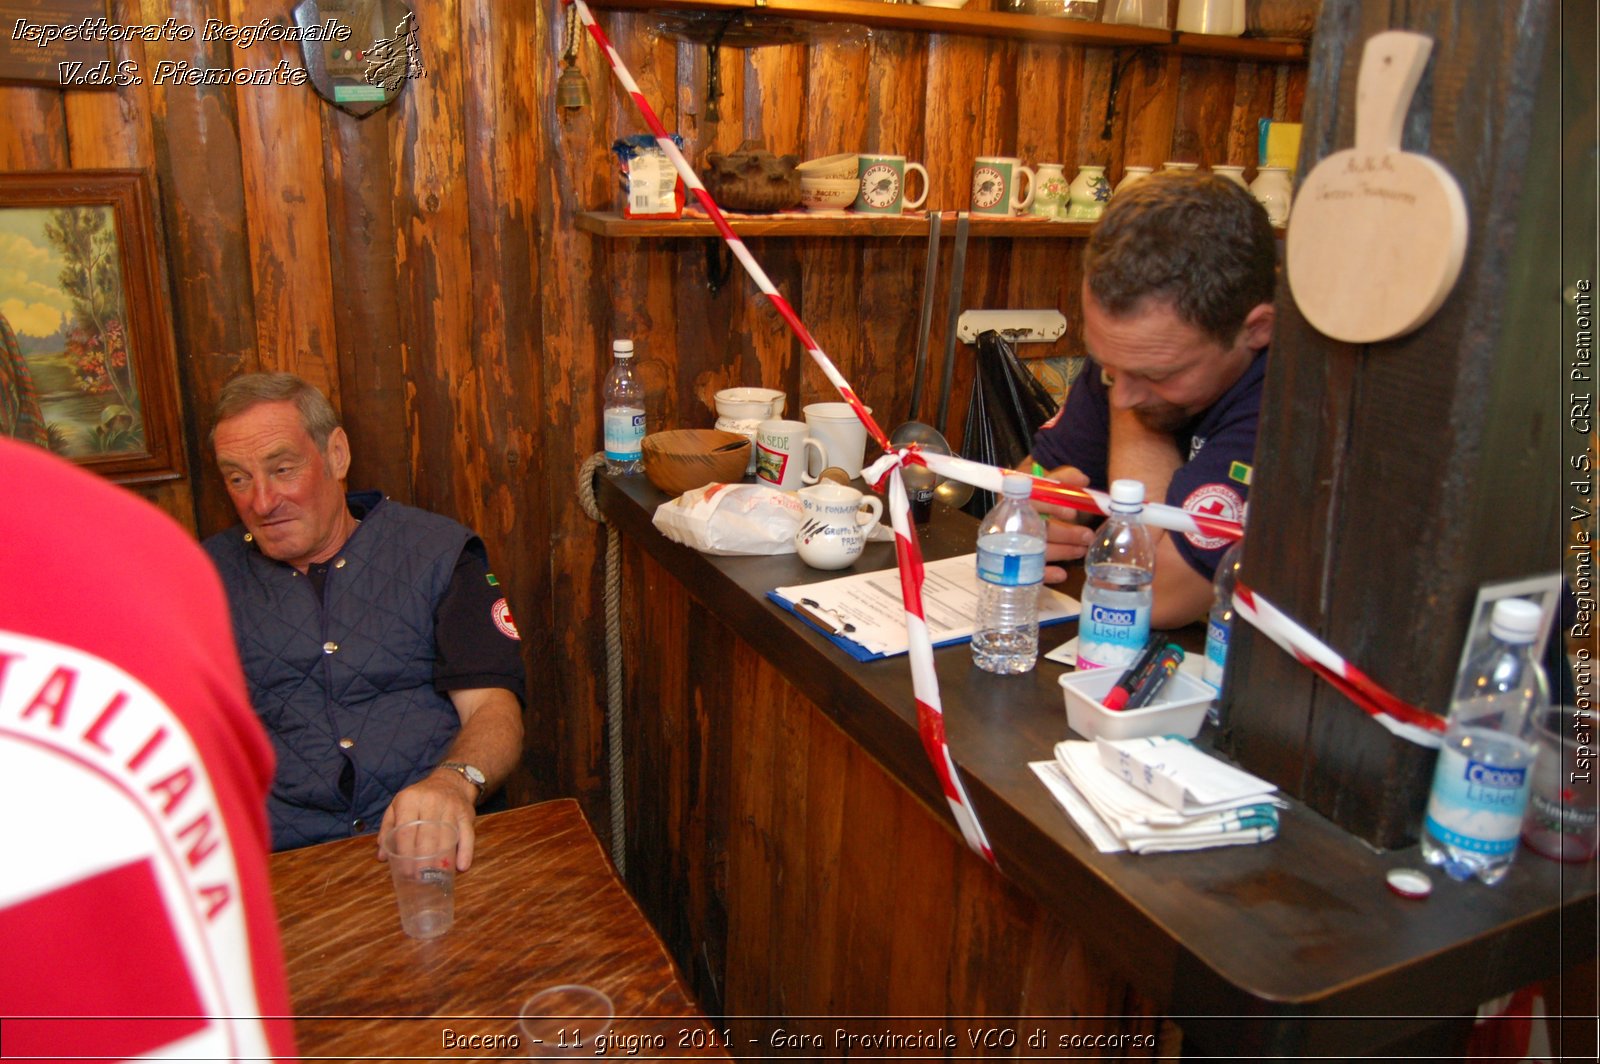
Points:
[[377, 644]]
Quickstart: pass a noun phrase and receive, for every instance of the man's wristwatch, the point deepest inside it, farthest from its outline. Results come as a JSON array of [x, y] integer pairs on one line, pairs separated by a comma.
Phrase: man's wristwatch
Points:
[[471, 773]]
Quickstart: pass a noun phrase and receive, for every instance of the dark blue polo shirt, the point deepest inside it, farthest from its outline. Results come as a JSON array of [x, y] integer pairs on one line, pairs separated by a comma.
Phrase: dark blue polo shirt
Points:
[[1220, 443]]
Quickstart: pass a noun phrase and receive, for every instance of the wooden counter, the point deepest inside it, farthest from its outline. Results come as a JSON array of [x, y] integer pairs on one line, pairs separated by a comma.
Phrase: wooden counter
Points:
[[539, 907], [787, 836]]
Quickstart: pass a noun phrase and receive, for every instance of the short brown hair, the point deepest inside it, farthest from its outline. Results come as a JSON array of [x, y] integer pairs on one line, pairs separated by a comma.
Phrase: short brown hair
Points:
[[1196, 241], [252, 389]]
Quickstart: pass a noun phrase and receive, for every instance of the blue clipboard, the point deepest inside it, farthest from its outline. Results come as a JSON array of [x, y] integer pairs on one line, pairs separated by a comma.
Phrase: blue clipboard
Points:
[[861, 653]]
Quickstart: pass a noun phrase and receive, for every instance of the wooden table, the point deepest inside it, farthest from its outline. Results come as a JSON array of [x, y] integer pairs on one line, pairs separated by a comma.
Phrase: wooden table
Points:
[[790, 841], [540, 906]]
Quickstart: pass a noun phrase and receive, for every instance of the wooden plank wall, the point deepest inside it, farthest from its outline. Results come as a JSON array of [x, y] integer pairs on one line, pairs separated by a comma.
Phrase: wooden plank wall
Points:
[[422, 265]]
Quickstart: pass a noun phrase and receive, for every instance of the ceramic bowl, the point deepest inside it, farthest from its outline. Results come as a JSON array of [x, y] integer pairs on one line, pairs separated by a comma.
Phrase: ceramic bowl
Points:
[[1179, 709], [845, 167], [827, 195], [681, 460]]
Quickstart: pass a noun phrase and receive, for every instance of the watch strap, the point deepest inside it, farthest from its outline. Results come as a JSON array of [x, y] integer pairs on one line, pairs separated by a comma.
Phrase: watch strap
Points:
[[471, 773]]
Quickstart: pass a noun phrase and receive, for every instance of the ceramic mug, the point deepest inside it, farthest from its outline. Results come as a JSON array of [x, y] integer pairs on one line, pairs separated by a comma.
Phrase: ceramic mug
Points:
[[996, 184], [841, 433], [781, 454], [835, 521], [883, 185]]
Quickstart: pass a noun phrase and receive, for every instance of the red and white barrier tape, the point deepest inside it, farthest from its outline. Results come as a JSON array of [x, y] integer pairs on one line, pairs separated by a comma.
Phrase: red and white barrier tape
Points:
[[924, 682], [1397, 715]]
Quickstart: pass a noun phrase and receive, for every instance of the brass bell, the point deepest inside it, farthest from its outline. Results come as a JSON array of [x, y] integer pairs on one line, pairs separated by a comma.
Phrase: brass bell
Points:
[[572, 88]]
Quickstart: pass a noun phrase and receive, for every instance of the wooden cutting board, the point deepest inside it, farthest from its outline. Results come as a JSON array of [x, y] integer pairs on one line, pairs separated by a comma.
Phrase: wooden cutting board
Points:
[[1377, 235]]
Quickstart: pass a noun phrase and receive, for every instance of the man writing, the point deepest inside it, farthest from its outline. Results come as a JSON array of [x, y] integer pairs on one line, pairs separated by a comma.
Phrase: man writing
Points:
[[377, 646], [1179, 279]]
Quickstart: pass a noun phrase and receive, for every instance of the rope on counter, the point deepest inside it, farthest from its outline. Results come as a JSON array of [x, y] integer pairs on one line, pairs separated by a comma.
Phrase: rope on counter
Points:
[[596, 463]]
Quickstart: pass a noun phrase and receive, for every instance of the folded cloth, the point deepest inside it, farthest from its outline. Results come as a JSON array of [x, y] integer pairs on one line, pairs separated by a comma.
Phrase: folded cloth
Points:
[[1115, 816]]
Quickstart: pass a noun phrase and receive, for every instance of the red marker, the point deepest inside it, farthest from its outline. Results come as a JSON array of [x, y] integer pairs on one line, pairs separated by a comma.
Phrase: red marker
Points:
[[1129, 681]]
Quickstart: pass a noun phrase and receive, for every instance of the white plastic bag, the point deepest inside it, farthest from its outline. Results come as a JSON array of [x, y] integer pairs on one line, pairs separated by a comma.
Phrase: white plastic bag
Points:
[[732, 519]]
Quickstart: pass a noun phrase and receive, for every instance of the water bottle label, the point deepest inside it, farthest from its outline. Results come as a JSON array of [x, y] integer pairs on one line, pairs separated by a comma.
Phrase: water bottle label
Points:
[[1216, 653], [624, 434], [1477, 807], [1112, 635], [1010, 570]]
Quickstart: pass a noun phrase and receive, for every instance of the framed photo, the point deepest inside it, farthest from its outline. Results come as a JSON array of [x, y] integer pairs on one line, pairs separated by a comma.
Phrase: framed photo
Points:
[[87, 364]]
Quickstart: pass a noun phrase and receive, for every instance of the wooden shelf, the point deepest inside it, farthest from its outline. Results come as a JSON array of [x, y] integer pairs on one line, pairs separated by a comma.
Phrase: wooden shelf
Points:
[[613, 225], [988, 24], [1249, 49]]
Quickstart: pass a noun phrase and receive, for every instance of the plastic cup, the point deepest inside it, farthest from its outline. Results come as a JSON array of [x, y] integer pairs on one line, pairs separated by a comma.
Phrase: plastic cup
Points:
[[1561, 821], [422, 862], [564, 1021]]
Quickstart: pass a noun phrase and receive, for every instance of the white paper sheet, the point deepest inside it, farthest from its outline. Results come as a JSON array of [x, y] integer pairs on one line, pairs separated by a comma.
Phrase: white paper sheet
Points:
[[871, 602]]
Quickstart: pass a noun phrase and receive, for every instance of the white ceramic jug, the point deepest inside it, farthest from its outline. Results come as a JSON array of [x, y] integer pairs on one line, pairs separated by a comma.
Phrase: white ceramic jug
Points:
[[834, 525], [1090, 194], [1273, 189], [1051, 194], [1221, 18], [1131, 175]]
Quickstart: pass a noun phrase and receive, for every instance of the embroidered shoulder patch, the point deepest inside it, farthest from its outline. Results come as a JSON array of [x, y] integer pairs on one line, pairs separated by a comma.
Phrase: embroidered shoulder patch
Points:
[[501, 612], [1212, 500], [1240, 471]]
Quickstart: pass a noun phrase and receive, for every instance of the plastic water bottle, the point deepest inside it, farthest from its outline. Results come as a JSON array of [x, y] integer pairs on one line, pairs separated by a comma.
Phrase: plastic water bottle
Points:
[[1115, 624], [1480, 787], [624, 413], [1010, 571], [1219, 627]]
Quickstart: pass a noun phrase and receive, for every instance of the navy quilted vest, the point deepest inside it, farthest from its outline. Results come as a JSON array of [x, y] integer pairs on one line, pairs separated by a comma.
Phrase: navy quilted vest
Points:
[[345, 686]]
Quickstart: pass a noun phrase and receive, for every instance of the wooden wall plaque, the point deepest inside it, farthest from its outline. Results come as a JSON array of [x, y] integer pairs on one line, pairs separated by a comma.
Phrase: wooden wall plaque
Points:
[[29, 56]]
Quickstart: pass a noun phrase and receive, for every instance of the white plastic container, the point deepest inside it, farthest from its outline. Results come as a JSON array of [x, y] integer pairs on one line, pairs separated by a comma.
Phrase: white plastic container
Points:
[[1179, 709]]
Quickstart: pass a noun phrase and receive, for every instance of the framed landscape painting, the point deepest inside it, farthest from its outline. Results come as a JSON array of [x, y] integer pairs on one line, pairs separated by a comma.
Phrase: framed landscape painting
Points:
[[87, 365]]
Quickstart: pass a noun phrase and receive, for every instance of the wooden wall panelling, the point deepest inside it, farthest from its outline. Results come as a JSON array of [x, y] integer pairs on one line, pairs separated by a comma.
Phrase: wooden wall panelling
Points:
[[1049, 90], [362, 245], [432, 223], [1147, 106], [1205, 110], [576, 309], [830, 271], [286, 212], [1252, 101], [37, 139], [1366, 430], [500, 413], [111, 128], [775, 115], [199, 171]]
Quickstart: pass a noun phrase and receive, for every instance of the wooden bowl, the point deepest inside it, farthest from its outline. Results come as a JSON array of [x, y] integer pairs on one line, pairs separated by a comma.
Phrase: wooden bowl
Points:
[[681, 460]]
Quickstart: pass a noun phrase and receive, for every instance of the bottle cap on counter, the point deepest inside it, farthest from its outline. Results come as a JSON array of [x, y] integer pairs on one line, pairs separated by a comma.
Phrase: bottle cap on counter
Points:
[[1409, 883]]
